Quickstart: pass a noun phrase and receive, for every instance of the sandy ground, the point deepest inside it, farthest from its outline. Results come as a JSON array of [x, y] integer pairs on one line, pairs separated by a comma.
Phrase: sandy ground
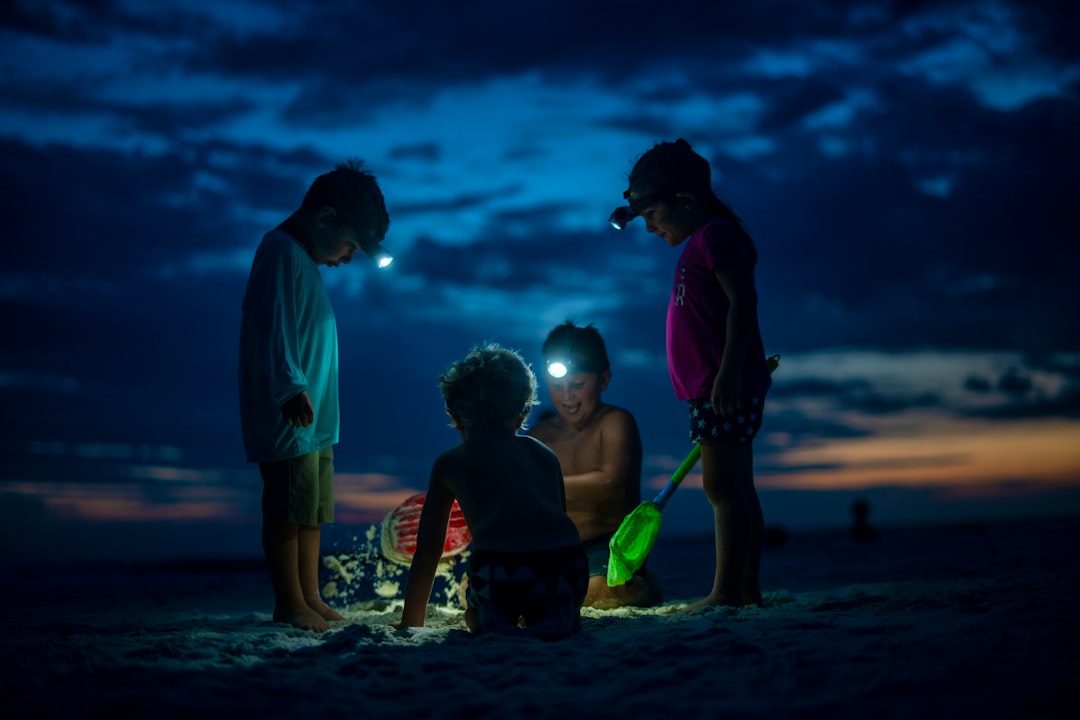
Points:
[[979, 620]]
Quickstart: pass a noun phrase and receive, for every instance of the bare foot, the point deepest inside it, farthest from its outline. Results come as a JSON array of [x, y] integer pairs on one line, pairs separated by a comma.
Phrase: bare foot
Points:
[[711, 601], [325, 611], [751, 593], [304, 618], [639, 591], [754, 600]]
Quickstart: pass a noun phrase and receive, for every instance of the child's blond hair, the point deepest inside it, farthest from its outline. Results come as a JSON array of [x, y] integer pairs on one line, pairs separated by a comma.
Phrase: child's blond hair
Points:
[[492, 387]]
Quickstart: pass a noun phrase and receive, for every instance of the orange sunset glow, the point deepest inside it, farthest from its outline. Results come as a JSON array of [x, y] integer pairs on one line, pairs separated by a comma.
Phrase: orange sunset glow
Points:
[[946, 452], [969, 455]]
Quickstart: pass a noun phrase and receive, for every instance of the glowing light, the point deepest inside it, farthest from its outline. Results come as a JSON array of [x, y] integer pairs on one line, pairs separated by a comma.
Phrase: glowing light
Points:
[[383, 259], [621, 217], [557, 369]]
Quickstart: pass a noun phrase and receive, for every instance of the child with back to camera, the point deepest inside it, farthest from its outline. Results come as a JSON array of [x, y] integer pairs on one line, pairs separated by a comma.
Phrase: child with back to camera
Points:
[[527, 565], [716, 357]]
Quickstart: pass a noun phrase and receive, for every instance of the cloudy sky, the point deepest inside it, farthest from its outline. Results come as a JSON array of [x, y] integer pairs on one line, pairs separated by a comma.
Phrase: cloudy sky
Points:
[[908, 171]]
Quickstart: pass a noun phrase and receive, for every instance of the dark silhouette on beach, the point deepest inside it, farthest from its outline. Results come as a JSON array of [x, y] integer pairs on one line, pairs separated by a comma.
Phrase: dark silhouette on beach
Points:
[[861, 530]]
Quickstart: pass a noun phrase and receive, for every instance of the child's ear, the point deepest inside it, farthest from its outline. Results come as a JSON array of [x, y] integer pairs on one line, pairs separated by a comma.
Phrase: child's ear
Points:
[[605, 378], [326, 216], [686, 199]]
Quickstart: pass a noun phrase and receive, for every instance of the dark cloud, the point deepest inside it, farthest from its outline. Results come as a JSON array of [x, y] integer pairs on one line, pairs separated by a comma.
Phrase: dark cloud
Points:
[[1065, 404], [807, 431], [463, 201], [1023, 396], [68, 21], [854, 395], [1052, 25], [422, 151], [794, 99], [856, 234], [1013, 383]]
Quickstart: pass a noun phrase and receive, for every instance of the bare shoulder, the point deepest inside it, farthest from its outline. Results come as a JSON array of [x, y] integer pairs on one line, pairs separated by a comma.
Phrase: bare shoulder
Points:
[[614, 419], [451, 460], [535, 445], [451, 453]]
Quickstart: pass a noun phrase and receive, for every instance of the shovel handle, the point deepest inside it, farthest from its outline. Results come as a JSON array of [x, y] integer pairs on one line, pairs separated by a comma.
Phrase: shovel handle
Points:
[[677, 477]]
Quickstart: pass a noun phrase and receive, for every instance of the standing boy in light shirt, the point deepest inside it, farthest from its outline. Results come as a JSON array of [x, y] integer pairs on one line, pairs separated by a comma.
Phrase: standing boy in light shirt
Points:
[[289, 377]]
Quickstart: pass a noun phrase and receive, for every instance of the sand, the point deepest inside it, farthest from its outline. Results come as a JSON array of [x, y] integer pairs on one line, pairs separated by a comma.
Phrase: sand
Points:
[[980, 620]]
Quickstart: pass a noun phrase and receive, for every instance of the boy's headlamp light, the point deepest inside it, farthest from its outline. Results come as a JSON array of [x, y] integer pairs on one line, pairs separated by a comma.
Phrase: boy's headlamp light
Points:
[[558, 368], [381, 257]]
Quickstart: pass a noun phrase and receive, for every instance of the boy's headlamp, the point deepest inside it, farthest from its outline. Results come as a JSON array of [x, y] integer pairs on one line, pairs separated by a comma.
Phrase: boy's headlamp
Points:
[[558, 368], [380, 256], [371, 244]]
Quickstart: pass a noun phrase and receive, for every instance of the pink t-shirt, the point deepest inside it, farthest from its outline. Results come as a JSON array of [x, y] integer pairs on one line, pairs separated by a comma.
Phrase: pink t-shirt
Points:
[[697, 315]]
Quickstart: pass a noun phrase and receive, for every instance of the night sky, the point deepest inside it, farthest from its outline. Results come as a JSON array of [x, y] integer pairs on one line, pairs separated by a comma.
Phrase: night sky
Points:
[[909, 172]]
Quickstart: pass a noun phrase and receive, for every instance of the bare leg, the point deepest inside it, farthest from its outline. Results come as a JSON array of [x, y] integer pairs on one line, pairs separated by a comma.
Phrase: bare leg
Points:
[[463, 591], [723, 469], [472, 620], [751, 586], [310, 538], [281, 548]]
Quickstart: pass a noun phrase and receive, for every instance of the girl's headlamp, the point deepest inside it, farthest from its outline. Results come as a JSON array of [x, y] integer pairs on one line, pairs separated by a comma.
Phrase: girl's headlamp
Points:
[[621, 216]]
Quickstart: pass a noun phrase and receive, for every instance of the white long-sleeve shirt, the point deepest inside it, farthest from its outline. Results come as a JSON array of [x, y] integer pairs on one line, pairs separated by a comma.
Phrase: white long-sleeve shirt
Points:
[[288, 344]]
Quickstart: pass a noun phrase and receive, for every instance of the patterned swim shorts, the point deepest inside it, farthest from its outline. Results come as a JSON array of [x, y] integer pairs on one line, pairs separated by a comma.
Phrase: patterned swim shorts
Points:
[[738, 430], [544, 589]]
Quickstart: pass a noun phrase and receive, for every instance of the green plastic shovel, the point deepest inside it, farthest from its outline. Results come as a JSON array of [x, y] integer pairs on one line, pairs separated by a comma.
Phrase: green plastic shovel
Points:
[[634, 540]]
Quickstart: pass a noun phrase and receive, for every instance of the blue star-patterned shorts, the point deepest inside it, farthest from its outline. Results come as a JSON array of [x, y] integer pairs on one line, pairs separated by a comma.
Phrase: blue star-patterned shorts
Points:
[[738, 430]]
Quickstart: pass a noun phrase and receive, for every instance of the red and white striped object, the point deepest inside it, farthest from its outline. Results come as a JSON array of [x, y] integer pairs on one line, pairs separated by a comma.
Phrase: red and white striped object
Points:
[[401, 524]]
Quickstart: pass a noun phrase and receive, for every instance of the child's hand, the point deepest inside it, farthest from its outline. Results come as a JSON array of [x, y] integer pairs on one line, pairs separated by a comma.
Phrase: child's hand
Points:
[[298, 410], [727, 393]]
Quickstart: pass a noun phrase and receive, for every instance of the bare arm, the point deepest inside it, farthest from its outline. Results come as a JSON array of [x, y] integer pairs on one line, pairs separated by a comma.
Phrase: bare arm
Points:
[[430, 540], [738, 284]]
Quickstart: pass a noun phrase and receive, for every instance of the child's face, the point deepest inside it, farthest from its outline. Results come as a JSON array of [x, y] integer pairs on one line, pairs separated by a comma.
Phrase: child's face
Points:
[[334, 245], [670, 220], [576, 396]]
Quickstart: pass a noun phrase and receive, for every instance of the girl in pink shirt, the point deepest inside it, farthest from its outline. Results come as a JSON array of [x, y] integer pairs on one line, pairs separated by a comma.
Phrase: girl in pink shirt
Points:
[[715, 354]]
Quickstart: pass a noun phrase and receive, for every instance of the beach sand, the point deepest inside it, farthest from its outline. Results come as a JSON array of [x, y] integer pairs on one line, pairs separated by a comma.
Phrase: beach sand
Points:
[[980, 620]]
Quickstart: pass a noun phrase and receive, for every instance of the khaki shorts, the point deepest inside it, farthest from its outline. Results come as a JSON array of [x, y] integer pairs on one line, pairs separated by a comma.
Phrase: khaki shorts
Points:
[[299, 490]]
